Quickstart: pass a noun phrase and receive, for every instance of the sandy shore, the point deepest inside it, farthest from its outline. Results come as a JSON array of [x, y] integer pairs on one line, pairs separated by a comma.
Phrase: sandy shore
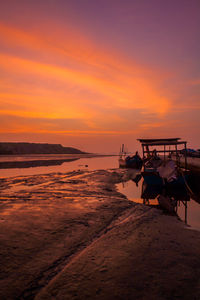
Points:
[[73, 236]]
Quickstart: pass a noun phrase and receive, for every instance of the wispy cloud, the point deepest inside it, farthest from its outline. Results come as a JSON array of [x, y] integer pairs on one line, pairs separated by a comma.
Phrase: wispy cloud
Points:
[[66, 76]]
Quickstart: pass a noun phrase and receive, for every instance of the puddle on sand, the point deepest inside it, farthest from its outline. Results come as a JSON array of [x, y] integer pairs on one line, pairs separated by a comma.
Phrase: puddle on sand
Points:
[[134, 191]]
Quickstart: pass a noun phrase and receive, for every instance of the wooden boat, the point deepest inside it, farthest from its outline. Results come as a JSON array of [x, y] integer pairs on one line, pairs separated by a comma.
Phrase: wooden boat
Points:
[[133, 162], [165, 171], [163, 177]]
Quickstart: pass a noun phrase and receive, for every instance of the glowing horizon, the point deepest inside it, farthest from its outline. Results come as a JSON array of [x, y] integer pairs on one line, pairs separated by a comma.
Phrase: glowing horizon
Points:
[[60, 83]]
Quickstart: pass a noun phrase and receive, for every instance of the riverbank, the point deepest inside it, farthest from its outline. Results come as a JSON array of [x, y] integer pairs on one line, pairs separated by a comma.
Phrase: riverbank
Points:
[[38, 160], [73, 236], [15, 165]]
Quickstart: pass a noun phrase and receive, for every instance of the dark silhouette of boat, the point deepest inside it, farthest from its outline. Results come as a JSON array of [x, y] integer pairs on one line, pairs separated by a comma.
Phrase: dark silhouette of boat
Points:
[[133, 162], [163, 172], [167, 199]]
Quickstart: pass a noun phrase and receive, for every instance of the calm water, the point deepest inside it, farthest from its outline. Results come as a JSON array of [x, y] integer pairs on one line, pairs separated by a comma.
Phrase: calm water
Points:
[[57, 165], [130, 188], [134, 192]]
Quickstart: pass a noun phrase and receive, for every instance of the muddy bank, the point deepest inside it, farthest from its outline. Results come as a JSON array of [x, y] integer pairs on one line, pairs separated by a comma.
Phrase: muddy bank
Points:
[[73, 236], [45, 219], [144, 255]]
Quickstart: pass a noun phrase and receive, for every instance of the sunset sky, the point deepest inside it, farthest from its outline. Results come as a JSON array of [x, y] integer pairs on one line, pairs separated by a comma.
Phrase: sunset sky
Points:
[[96, 74]]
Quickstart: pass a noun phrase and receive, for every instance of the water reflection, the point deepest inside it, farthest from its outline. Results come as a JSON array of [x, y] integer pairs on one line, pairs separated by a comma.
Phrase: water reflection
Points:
[[57, 163], [34, 163], [175, 201]]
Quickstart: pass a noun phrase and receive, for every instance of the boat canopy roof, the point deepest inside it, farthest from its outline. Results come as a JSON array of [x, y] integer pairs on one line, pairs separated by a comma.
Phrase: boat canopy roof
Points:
[[161, 142], [148, 141]]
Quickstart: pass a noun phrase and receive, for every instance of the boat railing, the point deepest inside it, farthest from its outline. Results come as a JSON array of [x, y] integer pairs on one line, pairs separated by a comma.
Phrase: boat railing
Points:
[[166, 147]]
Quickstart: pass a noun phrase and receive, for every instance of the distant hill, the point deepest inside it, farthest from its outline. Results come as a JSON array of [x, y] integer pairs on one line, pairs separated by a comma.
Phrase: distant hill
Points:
[[36, 148]]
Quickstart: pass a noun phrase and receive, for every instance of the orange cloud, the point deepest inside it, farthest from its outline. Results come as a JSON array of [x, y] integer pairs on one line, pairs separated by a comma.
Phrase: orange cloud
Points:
[[69, 44], [21, 129], [122, 90], [41, 106], [69, 77]]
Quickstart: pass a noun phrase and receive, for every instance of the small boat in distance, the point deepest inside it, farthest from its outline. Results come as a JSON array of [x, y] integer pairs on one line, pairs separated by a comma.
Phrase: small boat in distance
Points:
[[133, 162]]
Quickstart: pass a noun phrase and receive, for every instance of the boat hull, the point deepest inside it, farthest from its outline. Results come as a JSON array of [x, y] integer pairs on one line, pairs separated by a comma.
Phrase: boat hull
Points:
[[131, 163], [150, 191], [152, 178]]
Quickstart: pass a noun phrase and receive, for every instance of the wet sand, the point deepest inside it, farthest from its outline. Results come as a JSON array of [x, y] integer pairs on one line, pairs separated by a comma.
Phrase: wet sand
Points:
[[73, 236]]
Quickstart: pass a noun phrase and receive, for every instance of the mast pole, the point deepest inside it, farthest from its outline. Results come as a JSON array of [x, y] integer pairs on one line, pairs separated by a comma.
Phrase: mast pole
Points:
[[185, 156]]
